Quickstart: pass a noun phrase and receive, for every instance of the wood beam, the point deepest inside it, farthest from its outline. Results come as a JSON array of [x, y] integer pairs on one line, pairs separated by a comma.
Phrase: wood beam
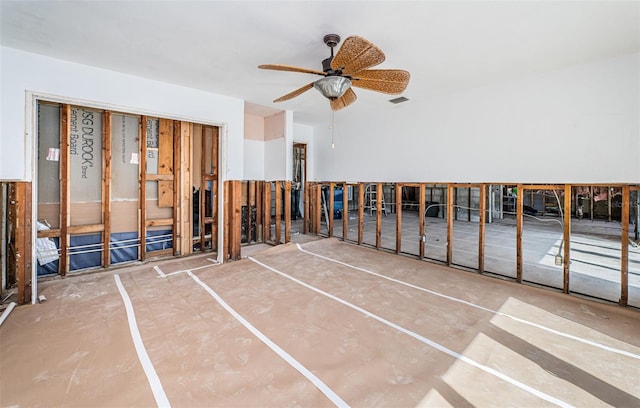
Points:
[[287, 212], [20, 243], [266, 231], [345, 211], [251, 204], [186, 181], [361, 188], [519, 228], [450, 216], [330, 209], [203, 185], [317, 208], [398, 218], [306, 218], [226, 242], [236, 219], [379, 193], [177, 172], [259, 211], [421, 215], [142, 184], [65, 192], [482, 227], [278, 220], [106, 188], [85, 229], [566, 266], [165, 162], [624, 250]]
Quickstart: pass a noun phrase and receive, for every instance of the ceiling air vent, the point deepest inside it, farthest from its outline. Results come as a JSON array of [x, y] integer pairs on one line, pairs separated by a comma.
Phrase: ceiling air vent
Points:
[[398, 100]]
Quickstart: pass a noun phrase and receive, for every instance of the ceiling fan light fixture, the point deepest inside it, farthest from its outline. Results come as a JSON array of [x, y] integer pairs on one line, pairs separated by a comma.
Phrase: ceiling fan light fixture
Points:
[[332, 87]]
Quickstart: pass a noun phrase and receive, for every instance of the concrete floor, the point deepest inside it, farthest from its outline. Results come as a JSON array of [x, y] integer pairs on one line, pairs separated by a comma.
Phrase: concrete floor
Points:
[[326, 323]]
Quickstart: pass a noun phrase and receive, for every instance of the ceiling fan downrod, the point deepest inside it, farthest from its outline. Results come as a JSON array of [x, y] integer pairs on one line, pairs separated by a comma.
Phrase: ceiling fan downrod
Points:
[[331, 40]]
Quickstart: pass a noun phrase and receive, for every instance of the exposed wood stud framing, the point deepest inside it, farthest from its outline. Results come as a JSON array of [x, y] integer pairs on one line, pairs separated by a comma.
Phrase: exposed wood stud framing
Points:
[[450, 216], [186, 181], [482, 227], [318, 208], [345, 211], [330, 209], [106, 188], [142, 184], [307, 209], [287, 211], [519, 226], [624, 242], [177, 179], [566, 265], [235, 219], [361, 188], [19, 242], [227, 220], [421, 215], [65, 198], [259, 211], [165, 162], [278, 212], [379, 195], [266, 232], [398, 218]]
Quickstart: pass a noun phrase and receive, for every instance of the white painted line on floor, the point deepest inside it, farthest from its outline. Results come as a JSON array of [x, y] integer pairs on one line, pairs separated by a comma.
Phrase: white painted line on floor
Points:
[[495, 312], [145, 361], [213, 260], [425, 340], [283, 354], [160, 273], [181, 271]]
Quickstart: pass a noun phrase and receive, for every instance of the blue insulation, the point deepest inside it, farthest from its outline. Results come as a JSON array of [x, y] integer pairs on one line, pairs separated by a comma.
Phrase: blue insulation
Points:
[[86, 251]]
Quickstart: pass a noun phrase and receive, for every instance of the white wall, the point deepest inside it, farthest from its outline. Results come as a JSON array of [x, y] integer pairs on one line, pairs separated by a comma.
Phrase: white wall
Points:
[[21, 71], [275, 157], [275, 147], [253, 147], [576, 125]]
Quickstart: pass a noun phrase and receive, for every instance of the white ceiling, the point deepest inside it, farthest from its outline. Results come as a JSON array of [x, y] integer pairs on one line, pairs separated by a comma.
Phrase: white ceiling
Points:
[[217, 45]]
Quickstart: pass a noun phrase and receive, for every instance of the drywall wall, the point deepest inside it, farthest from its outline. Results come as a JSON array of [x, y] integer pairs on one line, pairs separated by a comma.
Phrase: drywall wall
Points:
[[275, 147], [253, 147], [575, 125], [22, 71]]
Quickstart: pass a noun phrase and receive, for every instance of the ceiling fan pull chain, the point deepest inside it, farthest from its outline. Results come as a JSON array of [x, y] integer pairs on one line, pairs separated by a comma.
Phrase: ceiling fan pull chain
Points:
[[333, 128]]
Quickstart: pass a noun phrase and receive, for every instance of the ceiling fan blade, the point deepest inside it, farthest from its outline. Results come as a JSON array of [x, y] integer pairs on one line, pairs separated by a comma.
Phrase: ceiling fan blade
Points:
[[357, 54], [280, 67], [295, 93], [389, 81], [345, 100]]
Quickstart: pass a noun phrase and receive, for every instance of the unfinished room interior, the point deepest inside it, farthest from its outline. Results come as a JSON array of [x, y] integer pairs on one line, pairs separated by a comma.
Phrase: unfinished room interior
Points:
[[319, 203]]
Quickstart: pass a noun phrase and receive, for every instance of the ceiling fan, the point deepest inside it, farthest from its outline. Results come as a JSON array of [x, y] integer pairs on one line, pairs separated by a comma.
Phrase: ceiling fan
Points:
[[349, 67]]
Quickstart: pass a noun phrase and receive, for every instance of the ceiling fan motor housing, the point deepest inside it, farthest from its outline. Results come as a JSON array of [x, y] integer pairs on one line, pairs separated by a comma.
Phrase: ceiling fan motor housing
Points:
[[331, 40]]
